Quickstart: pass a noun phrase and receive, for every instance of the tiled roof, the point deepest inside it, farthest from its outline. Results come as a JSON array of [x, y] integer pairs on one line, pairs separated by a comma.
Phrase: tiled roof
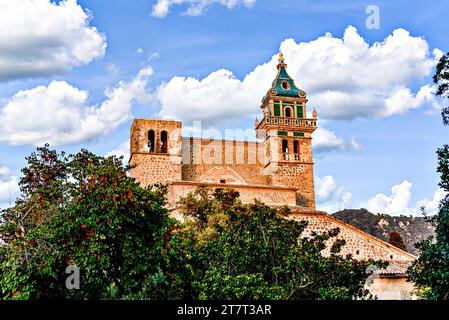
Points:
[[395, 267]]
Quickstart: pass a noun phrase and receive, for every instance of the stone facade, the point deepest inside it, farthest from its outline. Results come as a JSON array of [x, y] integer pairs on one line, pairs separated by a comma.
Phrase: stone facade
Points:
[[359, 244], [277, 170], [269, 195], [387, 284]]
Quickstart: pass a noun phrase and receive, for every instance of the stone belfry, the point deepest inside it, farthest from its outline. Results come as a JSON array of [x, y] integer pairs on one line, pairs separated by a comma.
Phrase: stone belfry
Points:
[[287, 134]]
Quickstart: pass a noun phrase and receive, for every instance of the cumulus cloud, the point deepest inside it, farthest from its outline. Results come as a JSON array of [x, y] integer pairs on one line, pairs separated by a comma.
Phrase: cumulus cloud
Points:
[[431, 206], [398, 202], [59, 114], [331, 197], [403, 100], [42, 38], [345, 78], [122, 150], [9, 188], [220, 98], [196, 7], [394, 204]]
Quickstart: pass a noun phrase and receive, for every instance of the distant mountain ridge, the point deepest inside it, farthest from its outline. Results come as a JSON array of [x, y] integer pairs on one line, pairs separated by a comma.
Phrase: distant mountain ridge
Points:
[[411, 229]]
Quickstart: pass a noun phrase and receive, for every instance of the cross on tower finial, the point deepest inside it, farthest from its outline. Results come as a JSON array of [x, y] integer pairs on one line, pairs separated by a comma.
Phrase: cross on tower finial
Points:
[[281, 57]]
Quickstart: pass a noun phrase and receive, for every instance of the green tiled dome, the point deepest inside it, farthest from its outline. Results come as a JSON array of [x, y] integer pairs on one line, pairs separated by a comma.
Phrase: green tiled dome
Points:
[[284, 85]]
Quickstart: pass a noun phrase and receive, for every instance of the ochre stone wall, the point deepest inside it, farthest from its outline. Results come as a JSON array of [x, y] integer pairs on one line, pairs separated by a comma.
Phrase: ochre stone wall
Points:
[[299, 176], [359, 244], [268, 195], [139, 135], [155, 168], [220, 161], [246, 158], [152, 167]]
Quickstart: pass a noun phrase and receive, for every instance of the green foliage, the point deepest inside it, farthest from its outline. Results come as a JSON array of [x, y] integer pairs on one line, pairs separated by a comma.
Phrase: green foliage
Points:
[[441, 77], [431, 271], [251, 251], [84, 210]]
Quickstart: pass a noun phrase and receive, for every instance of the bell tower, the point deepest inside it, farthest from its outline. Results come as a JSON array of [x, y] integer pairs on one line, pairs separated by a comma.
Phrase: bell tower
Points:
[[287, 134]]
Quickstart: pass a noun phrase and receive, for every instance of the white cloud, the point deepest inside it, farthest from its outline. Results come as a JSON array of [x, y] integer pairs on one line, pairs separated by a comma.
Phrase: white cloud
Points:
[[398, 202], [431, 206], [59, 114], [218, 98], [331, 197], [325, 140], [345, 78], [121, 150], [403, 100], [42, 38], [394, 204], [9, 188], [196, 7]]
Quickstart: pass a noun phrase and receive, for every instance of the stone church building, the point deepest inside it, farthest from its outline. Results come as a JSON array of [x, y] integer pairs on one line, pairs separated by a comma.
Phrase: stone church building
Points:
[[277, 169]]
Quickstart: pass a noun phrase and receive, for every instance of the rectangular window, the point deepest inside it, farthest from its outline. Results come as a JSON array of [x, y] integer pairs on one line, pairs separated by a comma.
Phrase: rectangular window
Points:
[[282, 133], [277, 109], [298, 134], [299, 110]]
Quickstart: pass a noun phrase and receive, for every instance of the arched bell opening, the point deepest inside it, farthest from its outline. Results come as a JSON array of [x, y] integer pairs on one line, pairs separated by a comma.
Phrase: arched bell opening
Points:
[[151, 141], [285, 149], [164, 142]]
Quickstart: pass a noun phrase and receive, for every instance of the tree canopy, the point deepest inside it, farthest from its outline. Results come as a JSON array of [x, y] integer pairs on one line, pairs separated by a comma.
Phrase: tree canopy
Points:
[[84, 210], [252, 251], [431, 271], [441, 78]]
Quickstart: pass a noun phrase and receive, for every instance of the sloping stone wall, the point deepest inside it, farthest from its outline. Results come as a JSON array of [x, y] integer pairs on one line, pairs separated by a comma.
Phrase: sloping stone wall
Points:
[[359, 244]]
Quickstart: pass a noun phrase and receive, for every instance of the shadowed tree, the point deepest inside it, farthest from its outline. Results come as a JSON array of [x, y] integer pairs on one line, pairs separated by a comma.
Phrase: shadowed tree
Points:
[[395, 239], [253, 251], [431, 271], [441, 78], [84, 210]]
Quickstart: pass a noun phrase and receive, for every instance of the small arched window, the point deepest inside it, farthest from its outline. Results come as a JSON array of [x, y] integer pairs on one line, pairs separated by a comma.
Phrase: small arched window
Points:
[[296, 149], [285, 149], [288, 112], [151, 141], [164, 142]]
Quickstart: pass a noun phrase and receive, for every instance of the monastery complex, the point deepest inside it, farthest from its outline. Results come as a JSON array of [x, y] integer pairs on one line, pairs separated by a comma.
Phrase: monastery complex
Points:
[[277, 170]]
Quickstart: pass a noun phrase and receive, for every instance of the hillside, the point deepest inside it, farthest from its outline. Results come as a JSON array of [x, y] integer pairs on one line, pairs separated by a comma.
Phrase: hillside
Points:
[[411, 229]]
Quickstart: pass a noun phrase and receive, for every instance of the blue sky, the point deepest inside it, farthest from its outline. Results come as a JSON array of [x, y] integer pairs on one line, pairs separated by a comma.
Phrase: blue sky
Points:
[[379, 133]]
